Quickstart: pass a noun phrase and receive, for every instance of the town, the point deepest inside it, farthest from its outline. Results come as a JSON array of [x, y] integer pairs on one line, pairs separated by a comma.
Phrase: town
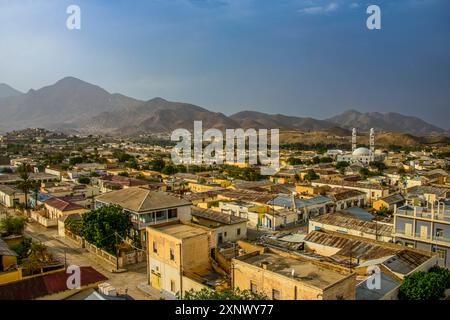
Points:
[[343, 222]]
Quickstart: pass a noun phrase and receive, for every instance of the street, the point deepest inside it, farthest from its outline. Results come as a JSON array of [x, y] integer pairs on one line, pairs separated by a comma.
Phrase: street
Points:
[[66, 250]]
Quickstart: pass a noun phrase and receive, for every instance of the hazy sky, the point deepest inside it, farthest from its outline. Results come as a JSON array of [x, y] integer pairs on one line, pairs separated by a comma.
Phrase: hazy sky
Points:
[[298, 57]]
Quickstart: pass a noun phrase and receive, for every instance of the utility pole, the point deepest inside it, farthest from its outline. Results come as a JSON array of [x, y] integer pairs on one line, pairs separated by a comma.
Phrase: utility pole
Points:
[[117, 251]]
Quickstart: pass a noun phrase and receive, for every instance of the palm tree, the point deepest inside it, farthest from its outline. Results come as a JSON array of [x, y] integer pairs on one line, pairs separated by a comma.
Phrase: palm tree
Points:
[[24, 173]]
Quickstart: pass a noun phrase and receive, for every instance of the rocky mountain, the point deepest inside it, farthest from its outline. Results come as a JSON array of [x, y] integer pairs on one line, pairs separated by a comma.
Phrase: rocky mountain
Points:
[[390, 121], [66, 103], [253, 119], [7, 91], [72, 105], [158, 115]]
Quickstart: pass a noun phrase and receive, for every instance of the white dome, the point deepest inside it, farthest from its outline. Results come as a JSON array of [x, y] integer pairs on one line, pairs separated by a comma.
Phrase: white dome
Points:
[[361, 152]]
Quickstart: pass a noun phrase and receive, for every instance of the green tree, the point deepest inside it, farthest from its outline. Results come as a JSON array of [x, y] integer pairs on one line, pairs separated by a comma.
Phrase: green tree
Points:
[[105, 226], [26, 183], [13, 225], [84, 180], [38, 257], [364, 173], [169, 170], [23, 248], [123, 174], [157, 165], [294, 161], [229, 294], [341, 166], [423, 286], [311, 175]]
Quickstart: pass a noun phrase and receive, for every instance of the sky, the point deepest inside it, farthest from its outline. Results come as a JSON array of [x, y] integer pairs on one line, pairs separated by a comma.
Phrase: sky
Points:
[[312, 58]]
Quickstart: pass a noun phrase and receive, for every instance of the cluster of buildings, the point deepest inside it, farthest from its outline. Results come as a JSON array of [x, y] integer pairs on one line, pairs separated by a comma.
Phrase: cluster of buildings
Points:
[[287, 236]]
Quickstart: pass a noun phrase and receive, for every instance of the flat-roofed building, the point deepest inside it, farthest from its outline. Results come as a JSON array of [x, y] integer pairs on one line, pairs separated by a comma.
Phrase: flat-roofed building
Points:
[[179, 259], [286, 278]]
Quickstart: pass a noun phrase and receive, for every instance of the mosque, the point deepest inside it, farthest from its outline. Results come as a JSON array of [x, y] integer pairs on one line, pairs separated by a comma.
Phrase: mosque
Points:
[[361, 155]]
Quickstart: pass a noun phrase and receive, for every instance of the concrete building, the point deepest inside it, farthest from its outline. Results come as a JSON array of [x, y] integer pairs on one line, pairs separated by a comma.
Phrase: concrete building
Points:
[[348, 224], [10, 196], [425, 227], [147, 208], [179, 260], [283, 277]]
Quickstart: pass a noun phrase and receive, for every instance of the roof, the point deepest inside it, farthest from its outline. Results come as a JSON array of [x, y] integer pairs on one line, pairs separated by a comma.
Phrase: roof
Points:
[[348, 222], [339, 194], [5, 250], [357, 249], [47, 284], [216, 216], [393, 198], [181, 231], [297, 269], [420, 190], [123, 181], [405, 261], [361, 152], [62, 205], [286, 201], [9, 190], [387, 284], [142, 200]]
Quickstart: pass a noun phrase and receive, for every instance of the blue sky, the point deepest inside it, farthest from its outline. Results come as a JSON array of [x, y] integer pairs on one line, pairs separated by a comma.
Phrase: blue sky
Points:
[[298, 57]]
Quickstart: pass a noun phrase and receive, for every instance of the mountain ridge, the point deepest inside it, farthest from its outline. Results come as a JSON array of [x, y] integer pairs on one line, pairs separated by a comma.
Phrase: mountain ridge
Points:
[[78, 105]]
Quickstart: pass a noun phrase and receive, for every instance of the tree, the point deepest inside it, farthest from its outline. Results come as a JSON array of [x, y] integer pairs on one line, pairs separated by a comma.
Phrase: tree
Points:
[[38, 257], [157, 165], [294, 161], [364, 173], [23, 248], [424, 286], [311, 175], [13, 225], [104, 226], [341, 166], [84, 180], [24, 174], [379, 165], [401, 171], [169, 170], [123, 174], [229, 294]]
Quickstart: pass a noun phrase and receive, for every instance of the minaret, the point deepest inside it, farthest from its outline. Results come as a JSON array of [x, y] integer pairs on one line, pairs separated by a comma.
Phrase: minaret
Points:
[[354, 139], [372, 144]]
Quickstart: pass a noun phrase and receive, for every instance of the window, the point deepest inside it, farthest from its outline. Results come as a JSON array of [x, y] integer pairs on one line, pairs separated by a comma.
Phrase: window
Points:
[[439, 232], [172, 286], [238, 231], [172, 254], [225, 234], [253, 287], [275, 294], [155, 247], [442, 254], [172, 213]]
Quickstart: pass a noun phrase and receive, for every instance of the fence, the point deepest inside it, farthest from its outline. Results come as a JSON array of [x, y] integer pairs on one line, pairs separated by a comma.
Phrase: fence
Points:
[[125, 258], [36, 216]]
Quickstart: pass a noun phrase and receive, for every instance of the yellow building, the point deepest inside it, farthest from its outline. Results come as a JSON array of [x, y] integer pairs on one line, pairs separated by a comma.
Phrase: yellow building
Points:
[[309, 189], [179, 259], [57, 208], [282, 277]]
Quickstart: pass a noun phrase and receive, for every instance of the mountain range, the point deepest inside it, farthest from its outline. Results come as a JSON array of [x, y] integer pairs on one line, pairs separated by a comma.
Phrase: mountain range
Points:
[[72, 104]]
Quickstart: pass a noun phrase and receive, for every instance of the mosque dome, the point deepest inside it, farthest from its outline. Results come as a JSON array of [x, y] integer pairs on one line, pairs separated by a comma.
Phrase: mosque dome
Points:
[[361, 152]]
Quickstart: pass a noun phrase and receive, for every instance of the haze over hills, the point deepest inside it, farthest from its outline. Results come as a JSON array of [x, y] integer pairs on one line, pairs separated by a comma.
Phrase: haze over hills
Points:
[[8, 91], [390, 121], [72, 104]]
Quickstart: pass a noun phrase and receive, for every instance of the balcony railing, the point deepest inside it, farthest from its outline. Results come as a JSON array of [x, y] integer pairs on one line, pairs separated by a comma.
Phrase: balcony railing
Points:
[[419, 237], [426, 214]]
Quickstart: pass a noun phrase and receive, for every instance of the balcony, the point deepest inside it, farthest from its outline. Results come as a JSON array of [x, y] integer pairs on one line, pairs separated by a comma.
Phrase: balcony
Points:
[[425, 214], [428, 238]]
